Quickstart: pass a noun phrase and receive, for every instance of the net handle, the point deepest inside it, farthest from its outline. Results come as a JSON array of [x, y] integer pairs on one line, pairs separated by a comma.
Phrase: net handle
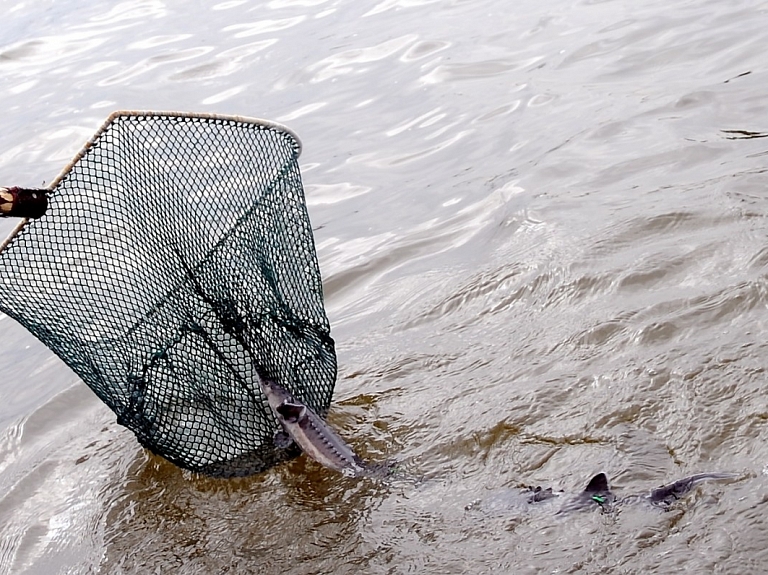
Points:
[[18, 202]]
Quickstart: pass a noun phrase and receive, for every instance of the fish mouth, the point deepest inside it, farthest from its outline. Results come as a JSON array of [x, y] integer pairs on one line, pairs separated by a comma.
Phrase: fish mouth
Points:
[[291, 412]]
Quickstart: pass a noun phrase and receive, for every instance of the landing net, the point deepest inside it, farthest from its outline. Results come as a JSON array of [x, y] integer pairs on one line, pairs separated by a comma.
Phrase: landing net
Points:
[[174, 263]]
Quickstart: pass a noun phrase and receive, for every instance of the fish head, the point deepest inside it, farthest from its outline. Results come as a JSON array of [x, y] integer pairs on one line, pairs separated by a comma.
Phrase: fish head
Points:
[[275, 393], [538, 494], [285, 407]]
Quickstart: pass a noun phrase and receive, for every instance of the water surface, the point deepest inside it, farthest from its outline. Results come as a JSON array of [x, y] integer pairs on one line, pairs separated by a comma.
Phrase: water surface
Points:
[[542, 238]]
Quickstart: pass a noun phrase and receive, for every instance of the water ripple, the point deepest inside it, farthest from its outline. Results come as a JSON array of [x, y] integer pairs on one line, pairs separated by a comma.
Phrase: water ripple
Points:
[[303, 111], [424, 49], [132, 10], [397, 4], [155, 41], [476, 70], [345, 62], [248, 29], [149, 64], [318, 194], [22, 57], [224, 63]]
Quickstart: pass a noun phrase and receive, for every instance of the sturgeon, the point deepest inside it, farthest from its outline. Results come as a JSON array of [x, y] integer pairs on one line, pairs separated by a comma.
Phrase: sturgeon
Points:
[[597, 493], [308, 430]]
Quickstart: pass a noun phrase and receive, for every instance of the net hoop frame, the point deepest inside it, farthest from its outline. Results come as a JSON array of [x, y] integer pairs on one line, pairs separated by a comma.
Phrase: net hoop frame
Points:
[[269, 124]]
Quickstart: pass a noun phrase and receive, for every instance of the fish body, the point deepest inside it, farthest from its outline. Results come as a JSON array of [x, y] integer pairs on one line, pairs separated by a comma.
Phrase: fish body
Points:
[[310, 432]]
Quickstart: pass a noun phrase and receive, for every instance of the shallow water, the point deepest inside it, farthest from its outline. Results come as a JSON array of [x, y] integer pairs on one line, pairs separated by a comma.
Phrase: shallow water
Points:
[[543, 241]]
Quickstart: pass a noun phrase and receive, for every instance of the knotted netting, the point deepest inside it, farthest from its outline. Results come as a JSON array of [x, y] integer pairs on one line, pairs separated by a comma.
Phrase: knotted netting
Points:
[[176, 262]]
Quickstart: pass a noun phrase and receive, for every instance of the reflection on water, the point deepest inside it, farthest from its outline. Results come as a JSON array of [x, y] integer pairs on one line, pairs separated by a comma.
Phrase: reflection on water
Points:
[[542, 234]]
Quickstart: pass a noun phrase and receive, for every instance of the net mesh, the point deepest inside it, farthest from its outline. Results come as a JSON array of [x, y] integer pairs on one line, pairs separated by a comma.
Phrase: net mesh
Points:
[[176, 260]]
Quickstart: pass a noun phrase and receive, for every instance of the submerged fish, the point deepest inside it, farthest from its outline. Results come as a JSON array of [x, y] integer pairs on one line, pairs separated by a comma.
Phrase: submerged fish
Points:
[[597, 493], [666, 495], [517, 501], [308, 430]]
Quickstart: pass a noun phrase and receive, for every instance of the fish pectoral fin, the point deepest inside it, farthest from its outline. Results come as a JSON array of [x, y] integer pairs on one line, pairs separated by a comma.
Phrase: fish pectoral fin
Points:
[[282, 440], [291, 412]]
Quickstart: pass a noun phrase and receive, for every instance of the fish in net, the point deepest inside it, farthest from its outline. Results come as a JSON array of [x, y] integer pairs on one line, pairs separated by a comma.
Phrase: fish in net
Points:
[[170, 265]]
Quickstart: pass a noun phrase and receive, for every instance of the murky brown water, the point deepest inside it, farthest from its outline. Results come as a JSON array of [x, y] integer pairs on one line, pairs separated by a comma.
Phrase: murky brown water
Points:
[[543, 239]]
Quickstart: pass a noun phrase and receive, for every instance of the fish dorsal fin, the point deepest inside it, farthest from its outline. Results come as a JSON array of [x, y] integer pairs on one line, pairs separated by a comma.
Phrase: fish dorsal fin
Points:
[[598, 484], [291, 412]]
